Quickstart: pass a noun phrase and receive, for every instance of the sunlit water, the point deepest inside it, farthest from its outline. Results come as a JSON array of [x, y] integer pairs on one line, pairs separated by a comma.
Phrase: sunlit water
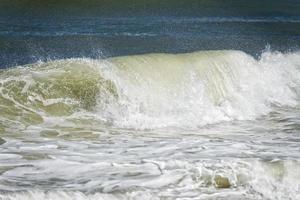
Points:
[[77, 122], [204, 125]]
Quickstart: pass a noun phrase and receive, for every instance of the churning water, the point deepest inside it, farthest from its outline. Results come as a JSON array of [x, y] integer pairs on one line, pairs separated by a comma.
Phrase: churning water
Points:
[[149, 100], [203, 125]]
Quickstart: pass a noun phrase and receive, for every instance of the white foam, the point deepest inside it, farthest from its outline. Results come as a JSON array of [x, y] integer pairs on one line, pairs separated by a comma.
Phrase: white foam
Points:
[[192, 90], [168, 90]]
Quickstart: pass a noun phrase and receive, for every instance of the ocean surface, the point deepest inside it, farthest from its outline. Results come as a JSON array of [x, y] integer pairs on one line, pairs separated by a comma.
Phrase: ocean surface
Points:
[[150, 100]]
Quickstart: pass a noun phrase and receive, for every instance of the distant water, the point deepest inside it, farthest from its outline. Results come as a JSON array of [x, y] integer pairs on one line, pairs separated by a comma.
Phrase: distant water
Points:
[[150, 100], [25, 39]]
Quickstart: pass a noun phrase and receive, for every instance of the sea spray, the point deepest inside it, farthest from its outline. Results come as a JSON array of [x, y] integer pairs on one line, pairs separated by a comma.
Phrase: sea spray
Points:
[[153, 90]]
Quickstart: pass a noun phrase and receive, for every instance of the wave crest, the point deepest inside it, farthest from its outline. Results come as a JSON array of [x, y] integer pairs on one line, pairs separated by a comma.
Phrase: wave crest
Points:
[[153, 90]]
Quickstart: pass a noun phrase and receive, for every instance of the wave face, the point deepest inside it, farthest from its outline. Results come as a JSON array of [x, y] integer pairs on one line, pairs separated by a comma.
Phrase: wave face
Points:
[[203, 125], [152, 90]]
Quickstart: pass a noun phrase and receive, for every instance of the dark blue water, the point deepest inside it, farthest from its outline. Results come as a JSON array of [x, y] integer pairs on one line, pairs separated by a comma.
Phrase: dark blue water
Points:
[[32, 30]]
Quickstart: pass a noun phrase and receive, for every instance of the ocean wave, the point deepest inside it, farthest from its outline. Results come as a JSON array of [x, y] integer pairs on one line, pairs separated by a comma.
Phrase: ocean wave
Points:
[[152, 90]]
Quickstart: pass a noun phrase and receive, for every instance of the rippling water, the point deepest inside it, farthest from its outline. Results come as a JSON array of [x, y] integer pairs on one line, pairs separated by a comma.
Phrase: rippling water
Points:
[[187, 101]]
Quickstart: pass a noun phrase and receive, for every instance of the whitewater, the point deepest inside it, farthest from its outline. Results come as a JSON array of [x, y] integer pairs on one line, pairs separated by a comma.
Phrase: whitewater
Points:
[[152, 90], [201, 125]]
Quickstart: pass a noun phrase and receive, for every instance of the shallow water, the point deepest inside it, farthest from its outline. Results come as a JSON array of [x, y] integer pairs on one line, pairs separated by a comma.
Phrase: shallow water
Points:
[[204, 125], [151, 100], [259, 158]]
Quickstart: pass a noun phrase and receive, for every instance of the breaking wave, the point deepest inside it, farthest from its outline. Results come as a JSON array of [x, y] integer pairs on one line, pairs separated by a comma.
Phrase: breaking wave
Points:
[[152, 90]]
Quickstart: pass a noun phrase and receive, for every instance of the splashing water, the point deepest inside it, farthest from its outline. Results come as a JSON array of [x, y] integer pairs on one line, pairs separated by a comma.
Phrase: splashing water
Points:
[[230, 125]]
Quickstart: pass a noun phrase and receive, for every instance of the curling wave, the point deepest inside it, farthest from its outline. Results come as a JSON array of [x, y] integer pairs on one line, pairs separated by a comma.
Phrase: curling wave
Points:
[[152, 90]]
